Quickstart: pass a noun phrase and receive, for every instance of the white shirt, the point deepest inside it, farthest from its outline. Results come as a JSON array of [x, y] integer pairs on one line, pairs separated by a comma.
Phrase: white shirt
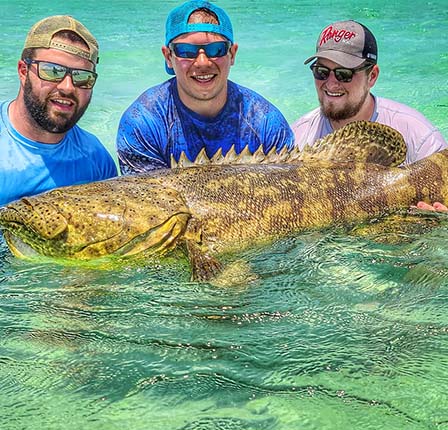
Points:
[[422, 138]]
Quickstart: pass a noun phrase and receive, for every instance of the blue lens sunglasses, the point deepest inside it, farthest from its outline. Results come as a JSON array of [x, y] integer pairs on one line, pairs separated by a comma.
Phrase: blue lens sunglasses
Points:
[[189, 50]]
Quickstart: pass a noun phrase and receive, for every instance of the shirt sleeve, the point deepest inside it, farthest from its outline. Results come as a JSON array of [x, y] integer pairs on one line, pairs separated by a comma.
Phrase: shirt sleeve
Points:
[[432, 142], [278, 131], [138, 141], [308, 128]]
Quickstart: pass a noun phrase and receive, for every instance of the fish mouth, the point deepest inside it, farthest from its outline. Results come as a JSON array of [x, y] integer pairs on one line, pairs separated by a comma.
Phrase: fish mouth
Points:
[[18, 247], [22, 225], [41, 219]]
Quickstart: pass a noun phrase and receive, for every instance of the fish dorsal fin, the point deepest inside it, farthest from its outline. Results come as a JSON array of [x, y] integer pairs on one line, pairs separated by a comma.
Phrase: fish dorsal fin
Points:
[[217, 158], [182, 162], [360, 141], [259, 155], [285, 155], [202, 158], [230, 157], [245, 156]]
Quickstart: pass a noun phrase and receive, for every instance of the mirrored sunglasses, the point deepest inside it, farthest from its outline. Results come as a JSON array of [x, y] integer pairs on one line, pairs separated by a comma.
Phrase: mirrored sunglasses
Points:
[[189, 50], [342, 74], [53, 72]]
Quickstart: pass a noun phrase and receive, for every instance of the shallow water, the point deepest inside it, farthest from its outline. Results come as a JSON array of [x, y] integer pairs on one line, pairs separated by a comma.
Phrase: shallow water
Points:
[[337, 332]]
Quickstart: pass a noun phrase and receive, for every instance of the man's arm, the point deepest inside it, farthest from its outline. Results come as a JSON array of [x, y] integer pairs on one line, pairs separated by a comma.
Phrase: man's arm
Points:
[[277, 132], [137, 143]]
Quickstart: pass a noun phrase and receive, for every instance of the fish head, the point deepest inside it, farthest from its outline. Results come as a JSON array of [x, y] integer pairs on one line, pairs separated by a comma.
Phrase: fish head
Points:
[[114, 217]]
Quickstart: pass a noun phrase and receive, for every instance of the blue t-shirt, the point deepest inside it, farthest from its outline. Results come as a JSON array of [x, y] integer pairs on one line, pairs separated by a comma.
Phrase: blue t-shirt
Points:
[[28, 167], [158, 125]]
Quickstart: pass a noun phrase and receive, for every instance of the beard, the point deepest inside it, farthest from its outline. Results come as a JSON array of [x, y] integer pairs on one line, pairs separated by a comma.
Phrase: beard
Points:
[[347, 111], [60, 123]]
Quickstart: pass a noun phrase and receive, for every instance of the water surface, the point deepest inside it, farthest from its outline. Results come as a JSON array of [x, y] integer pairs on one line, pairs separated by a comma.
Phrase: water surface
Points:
[[338, 331]]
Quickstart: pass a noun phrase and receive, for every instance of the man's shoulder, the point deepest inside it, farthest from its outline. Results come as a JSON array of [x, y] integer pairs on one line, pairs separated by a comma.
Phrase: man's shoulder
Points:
[[4, 113], [421, 136], [4, 103], [247, 95], [84, 145], [253, 105], [156, 93], [151, 102], [308, 128], [85, 141], [308, 118], [393, 109], [403, 117], [78, 133]]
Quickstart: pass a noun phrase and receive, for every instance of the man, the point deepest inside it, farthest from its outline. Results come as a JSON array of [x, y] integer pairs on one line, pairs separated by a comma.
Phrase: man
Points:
[[41, 147], [198, 109], [345, 69]]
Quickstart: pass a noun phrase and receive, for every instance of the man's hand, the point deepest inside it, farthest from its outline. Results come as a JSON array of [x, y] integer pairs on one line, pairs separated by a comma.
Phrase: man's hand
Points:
[[437, 206]]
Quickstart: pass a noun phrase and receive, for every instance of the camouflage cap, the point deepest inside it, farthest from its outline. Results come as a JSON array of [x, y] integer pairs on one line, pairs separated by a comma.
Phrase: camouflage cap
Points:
[[41, 36]]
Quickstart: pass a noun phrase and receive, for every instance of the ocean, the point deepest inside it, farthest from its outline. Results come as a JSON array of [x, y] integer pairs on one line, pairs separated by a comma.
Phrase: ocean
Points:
[[338, 331]]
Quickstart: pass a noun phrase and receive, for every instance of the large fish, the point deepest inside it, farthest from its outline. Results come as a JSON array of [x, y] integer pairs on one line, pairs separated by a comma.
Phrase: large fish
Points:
[[213, 209]]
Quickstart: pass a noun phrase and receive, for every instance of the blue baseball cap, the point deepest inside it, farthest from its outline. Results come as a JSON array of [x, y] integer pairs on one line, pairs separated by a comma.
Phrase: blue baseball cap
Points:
[[177, 23]]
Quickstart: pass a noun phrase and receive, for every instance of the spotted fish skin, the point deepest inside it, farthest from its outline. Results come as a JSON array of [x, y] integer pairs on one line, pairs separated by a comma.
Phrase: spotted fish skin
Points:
[[213, 209]]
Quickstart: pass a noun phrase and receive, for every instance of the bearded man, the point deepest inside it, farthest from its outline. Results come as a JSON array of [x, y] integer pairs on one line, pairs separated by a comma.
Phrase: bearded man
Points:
[[41, 147], [345, 69]]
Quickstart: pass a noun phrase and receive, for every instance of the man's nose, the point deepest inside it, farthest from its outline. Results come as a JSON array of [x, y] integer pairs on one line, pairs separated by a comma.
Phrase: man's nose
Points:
[[66, 84], [202, 58]]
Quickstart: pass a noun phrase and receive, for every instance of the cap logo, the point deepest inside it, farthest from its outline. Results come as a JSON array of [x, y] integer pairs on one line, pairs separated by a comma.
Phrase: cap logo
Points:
[[335, 34]]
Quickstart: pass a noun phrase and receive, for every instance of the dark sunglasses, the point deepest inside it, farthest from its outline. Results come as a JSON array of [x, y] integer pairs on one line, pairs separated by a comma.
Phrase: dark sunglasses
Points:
[[189, 50], [342, 74], [53, 72]]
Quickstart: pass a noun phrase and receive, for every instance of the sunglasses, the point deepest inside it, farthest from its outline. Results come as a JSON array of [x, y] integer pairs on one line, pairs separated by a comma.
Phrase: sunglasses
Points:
[[53, 72], [342, 74], [189, 50]]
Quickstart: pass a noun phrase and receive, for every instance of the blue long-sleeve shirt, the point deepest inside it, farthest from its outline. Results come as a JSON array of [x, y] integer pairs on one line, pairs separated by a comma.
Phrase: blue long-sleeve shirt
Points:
[[158, 125]]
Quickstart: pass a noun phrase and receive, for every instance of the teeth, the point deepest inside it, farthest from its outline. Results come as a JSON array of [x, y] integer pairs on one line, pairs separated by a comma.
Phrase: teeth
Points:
[[334, 94], [203, 77], [63, 102]]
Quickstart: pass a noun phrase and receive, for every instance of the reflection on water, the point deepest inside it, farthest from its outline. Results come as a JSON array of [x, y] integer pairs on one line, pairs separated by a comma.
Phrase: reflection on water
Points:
[[337, 332]]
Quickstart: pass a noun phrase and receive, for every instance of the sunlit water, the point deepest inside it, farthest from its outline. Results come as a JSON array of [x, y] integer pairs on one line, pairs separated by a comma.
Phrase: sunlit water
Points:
[[337, 332]]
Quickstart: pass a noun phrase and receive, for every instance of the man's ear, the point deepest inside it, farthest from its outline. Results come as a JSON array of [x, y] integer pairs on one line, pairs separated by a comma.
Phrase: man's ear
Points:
[[22, 70], [167, 54], [373, 76], [233, 51]]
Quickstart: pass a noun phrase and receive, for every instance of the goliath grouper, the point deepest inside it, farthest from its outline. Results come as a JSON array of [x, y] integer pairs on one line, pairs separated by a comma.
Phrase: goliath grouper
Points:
[[213, 209]]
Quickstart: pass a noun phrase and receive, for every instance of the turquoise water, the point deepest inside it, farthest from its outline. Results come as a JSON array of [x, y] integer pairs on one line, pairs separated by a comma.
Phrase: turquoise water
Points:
[[338, 332]]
